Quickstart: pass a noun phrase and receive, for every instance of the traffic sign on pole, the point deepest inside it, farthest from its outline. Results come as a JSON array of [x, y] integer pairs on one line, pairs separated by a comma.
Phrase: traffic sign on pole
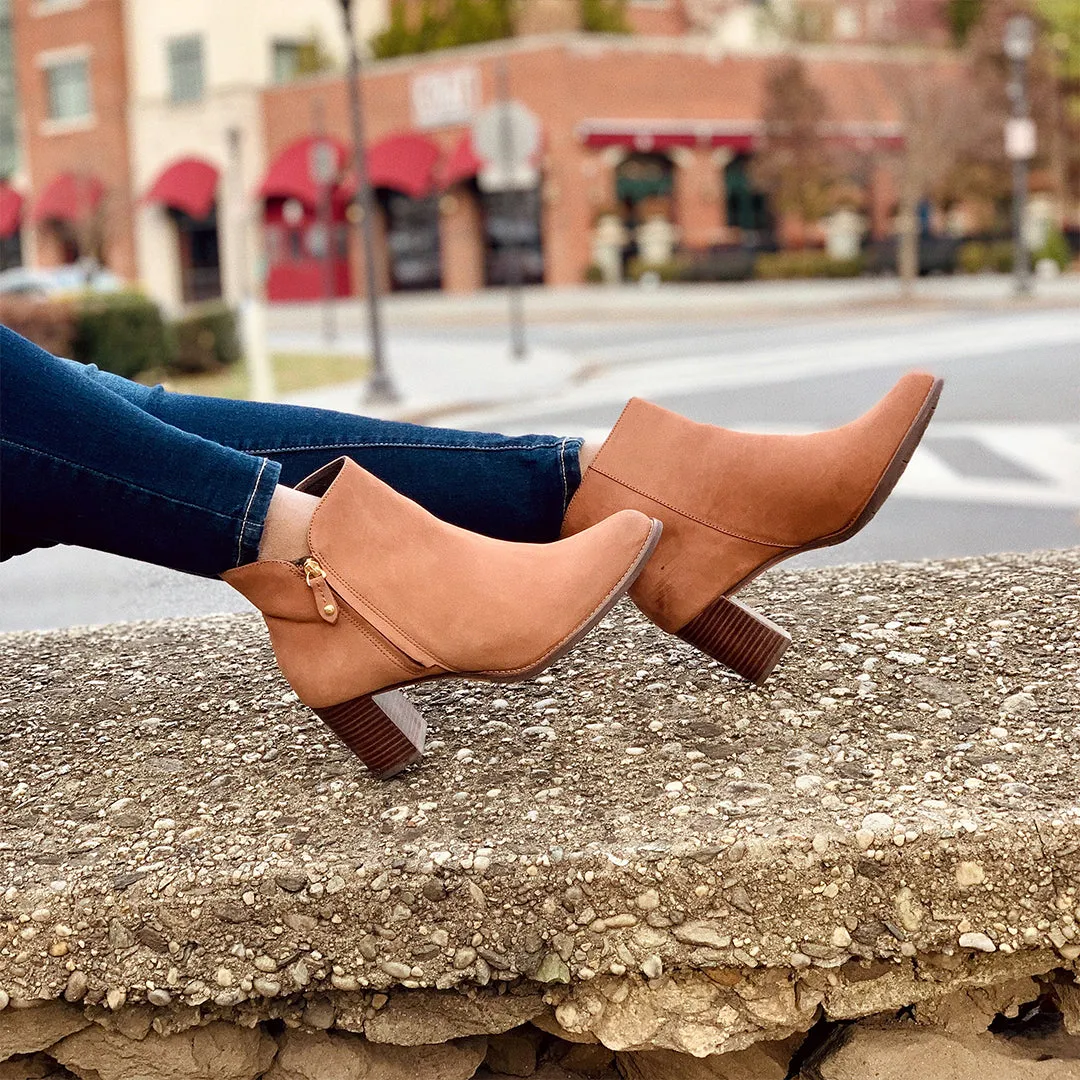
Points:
[[505, 137]]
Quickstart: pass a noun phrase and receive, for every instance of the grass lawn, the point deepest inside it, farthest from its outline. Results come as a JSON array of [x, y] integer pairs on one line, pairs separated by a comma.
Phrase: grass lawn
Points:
[[292, 372]]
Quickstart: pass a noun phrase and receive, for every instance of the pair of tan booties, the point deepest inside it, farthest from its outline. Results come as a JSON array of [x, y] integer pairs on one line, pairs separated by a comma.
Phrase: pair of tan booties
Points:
[[682, 515]]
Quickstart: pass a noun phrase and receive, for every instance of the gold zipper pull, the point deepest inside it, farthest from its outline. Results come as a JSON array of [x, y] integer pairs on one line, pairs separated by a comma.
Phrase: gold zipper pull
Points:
[[325, 603]]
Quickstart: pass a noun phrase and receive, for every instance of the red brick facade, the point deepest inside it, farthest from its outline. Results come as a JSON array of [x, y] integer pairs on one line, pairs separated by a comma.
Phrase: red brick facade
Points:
[[92, 149], [633, 94]]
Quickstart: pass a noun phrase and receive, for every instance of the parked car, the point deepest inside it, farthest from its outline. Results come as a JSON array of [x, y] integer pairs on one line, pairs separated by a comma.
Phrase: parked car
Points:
[[722, 262], [937, 255], [24, 281]]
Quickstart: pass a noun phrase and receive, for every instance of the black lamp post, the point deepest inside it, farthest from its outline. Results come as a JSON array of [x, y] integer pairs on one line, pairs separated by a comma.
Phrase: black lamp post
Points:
[[381, 389]]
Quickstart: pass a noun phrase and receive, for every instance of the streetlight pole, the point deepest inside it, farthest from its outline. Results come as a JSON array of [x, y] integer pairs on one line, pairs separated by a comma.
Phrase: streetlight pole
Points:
[[381, 389], [1019, 42]]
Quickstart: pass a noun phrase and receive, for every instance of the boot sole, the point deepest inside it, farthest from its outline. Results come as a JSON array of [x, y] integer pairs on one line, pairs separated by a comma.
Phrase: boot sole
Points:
[[741, 638], [387, 733]]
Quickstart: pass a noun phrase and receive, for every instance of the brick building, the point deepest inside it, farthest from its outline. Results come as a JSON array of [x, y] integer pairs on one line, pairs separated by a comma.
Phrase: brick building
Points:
[[72, 87], [638, 129], [130, 107]]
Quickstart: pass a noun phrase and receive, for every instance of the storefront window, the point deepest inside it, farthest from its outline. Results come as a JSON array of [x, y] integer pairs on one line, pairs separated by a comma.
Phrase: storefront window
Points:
[[412, 238], [513, 235]]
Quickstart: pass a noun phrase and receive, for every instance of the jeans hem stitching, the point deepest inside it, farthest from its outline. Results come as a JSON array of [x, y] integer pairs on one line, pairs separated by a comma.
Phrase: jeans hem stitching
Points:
[[247, 511]]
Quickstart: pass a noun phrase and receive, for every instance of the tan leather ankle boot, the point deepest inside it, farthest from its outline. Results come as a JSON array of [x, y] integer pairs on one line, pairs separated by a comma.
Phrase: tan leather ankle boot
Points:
[[391, 596], [733, 504]]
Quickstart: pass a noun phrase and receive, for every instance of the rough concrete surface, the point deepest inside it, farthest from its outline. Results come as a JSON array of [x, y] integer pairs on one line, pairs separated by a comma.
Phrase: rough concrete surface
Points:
[[635, 848]]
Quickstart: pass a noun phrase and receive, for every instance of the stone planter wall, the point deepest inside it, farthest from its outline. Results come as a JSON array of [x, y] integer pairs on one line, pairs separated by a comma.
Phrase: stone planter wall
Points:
[[635, 865]]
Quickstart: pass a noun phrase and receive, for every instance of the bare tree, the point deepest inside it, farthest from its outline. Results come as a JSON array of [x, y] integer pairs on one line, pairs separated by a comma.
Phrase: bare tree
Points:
[[794, 163], [944, 124]]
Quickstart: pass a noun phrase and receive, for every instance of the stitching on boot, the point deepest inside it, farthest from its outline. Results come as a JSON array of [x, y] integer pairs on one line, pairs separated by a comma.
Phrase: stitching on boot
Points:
[[694, 517]]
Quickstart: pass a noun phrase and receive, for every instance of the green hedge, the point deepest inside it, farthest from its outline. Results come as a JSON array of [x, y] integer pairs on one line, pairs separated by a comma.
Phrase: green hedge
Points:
[[672, 270], [1055, 248], [125, 332], [206, 338], [978, 256], [121, 332], [805, 264]]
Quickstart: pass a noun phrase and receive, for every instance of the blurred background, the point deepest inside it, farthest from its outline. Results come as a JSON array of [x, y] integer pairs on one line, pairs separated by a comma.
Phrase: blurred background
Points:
[[513, 214]]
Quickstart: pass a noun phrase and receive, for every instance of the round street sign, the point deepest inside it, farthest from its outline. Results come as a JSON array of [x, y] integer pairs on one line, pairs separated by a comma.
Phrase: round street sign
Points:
[[505, 135]]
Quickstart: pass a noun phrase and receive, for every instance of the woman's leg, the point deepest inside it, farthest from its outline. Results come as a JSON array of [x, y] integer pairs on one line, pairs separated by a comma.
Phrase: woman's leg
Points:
[[82, 465], [504, 487], [363, 590]]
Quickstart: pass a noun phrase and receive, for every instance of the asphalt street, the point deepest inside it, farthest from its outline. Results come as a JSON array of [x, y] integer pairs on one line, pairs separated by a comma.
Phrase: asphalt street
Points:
[[999, 469]]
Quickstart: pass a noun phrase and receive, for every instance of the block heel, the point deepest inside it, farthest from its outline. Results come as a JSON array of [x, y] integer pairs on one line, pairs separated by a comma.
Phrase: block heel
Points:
[[738, 637], [383, 730]]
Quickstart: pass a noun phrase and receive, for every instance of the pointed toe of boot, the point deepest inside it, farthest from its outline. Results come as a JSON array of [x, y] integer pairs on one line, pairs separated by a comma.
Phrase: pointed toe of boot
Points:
[[734, 504]]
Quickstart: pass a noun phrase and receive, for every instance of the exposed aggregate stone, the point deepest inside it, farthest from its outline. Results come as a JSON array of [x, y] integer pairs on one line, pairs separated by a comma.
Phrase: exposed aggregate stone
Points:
[[177, 830]]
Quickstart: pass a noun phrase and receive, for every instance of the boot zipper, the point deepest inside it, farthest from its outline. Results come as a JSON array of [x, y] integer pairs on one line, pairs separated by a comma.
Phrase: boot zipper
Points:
[[325, 603]]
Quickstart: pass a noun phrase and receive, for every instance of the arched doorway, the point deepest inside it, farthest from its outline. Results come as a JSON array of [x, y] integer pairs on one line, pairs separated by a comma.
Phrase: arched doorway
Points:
[[644, 188], [197, 249], [305, 224], [187, 190]]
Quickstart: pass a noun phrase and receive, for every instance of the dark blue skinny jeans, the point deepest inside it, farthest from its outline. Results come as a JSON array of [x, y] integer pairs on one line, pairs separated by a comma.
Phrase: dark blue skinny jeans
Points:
[[90, 458]]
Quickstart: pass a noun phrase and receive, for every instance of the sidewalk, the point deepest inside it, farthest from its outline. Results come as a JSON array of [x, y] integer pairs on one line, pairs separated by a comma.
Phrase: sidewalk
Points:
[[620, 302], [435, 377], [439, 374]]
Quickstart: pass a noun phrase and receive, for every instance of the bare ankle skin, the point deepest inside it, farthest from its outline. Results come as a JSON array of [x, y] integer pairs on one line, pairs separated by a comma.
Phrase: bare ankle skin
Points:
[[284, 535], [587, 454]]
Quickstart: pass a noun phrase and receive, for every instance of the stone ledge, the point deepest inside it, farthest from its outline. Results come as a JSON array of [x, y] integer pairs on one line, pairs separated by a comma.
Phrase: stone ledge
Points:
[[634, 848]]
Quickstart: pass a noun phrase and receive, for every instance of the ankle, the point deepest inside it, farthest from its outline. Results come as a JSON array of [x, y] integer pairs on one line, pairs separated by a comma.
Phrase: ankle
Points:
[[285, 531], [587, 454]]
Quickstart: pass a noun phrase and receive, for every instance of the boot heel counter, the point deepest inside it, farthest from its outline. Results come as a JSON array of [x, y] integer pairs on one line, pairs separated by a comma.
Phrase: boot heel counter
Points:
[[329, 663]]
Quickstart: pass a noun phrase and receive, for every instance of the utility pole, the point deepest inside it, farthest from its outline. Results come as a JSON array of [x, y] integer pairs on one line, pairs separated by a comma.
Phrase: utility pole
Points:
[[1019, 43], [381, 389]]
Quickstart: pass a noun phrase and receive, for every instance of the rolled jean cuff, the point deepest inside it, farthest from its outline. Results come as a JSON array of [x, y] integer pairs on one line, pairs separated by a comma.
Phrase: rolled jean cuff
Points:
[[570, 465], [250, 525]]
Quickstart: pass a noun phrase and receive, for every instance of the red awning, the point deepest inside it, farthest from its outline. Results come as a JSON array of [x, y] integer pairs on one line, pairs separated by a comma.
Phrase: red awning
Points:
[[741, 136], [289, 175], [404, 163], [189, 184], [68, 197], [647, 136], [462, 164], [10, 210]]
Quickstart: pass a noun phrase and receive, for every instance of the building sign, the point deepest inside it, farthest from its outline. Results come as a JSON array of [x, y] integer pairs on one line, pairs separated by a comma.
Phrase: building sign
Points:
[[442, 98]]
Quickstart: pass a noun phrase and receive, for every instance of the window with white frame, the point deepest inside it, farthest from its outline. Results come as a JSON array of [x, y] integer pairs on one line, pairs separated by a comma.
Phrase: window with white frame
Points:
[[67, 88], [185, 58]]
